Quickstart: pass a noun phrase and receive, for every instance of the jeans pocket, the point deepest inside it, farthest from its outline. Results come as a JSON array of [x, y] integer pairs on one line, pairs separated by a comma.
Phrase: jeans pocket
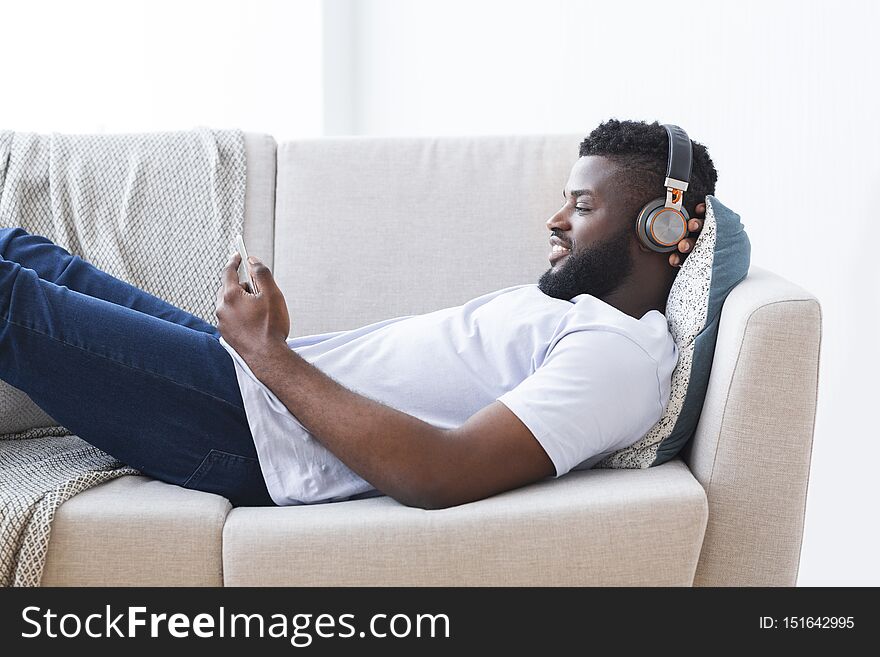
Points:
[[237, 478]]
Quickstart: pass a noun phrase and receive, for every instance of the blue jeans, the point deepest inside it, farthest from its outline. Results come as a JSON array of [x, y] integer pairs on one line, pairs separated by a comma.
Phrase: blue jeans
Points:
[[133, 375]]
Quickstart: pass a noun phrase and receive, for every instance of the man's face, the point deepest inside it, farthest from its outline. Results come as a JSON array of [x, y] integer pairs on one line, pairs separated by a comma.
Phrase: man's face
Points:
[[590, 242]]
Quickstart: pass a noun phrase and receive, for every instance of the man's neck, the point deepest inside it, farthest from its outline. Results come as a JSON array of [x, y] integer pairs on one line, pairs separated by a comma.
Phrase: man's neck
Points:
[[637, 297]]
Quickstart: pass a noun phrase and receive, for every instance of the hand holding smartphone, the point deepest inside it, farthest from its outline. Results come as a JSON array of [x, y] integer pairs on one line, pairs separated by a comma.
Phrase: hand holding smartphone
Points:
[[244, 274]]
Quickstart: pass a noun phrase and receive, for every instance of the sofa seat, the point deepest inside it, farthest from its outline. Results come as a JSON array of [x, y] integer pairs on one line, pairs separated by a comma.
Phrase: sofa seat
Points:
[[587, 528], [137, 531]]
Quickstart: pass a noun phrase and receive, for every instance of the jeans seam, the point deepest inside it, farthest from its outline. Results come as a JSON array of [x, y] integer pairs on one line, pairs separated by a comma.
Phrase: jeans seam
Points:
[[121, 364], [212, 457], [202, 464]]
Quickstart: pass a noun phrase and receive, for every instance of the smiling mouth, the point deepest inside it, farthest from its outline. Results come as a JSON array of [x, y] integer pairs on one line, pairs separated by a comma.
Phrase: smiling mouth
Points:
[[558, 252]]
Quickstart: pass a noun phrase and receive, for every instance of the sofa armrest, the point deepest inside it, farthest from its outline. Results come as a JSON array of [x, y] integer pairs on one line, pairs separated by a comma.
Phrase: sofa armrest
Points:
[[752, 447]]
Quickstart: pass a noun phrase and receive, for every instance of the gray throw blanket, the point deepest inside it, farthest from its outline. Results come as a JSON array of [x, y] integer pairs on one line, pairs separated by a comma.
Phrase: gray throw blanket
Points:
[[157, 210]]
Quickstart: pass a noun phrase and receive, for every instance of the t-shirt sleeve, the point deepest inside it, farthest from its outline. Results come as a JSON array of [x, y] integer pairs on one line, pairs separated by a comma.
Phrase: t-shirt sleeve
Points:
[[596, 392]]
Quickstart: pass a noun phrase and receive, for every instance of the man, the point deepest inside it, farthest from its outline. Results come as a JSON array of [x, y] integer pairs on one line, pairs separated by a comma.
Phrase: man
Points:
[[433, 410]]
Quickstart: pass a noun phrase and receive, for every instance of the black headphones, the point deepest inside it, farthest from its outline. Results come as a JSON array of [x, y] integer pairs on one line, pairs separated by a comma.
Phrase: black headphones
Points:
[[662, 223]]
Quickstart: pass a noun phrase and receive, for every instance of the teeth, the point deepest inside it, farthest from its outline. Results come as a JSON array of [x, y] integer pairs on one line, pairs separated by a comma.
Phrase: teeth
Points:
[[557, 248]]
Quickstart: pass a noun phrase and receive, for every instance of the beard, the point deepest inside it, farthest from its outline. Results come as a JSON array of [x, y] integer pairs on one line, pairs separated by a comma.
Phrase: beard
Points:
[[597, 269]]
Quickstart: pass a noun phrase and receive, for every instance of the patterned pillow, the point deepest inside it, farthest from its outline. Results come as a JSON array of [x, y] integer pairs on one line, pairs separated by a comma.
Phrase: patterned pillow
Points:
[[719, 261]]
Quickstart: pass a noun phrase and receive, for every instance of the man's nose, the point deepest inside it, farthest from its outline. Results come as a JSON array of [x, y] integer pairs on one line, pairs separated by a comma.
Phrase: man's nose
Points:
[[559, 219]]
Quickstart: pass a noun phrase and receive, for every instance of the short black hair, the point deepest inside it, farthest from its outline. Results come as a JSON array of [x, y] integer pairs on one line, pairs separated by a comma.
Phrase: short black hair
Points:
[[641, 151]]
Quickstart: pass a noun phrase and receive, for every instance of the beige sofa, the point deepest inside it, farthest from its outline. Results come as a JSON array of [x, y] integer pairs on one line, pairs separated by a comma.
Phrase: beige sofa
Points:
[[360, 229]]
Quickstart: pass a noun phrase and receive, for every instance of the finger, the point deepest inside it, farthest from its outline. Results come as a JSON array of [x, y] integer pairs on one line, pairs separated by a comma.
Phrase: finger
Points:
[[230, 271], [686, 245], [695, 225], [674, 259], [701, 208], [262, 275]]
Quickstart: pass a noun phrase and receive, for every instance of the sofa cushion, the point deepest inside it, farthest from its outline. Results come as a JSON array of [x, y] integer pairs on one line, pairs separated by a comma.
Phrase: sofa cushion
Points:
[[719, 261], [137, 531], [589, 528]]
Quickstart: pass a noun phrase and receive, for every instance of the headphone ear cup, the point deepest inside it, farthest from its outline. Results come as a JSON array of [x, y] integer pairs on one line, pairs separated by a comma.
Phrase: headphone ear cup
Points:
[[656, 220], [643, 222]]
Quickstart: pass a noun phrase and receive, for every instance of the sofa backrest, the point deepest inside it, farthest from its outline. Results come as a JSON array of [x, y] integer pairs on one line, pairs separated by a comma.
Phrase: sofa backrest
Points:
[[368, 228]]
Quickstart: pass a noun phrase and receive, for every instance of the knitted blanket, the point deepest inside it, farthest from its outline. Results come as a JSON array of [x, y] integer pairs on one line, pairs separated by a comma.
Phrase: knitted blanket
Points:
[[157, 210]]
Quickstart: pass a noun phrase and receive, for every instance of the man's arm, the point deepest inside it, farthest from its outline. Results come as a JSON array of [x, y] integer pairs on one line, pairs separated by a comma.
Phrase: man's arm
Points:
[[416, 463]]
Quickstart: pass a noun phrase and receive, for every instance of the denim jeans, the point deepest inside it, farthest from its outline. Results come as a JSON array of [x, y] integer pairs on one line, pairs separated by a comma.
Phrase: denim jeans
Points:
[[133, 375]]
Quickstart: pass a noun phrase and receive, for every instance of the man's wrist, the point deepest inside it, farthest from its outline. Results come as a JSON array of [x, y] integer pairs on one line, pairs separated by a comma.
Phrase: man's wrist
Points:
[[264, 354]]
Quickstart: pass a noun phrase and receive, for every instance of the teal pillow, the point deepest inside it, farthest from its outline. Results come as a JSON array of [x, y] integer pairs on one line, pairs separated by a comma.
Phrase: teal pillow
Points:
[[719, 261]]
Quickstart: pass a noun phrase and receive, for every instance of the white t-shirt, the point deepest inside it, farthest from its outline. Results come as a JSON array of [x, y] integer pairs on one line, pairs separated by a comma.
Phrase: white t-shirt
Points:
[[584, 377]]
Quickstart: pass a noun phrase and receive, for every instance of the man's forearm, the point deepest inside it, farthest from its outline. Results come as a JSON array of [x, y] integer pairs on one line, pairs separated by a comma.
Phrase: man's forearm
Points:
[[397, 453]]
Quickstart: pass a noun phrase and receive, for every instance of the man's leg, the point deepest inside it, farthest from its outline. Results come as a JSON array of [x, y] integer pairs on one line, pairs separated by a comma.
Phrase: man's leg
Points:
[[55, 264], [158, 396]]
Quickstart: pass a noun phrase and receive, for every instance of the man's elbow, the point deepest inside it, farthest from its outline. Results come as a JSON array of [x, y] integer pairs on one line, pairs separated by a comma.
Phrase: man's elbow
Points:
[[430, 493], [437, 478], [426, 502]]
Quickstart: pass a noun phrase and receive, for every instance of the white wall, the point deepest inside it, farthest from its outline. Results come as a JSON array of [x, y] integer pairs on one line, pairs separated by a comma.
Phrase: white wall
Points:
[[786, 98], [784, 94], [140, 65]]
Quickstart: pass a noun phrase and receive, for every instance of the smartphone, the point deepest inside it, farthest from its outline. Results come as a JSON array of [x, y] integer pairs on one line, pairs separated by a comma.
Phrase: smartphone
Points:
[[244, 275]]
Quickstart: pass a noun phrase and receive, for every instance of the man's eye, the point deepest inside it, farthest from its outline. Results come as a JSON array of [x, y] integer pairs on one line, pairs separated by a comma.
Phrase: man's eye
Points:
[[581, 209]]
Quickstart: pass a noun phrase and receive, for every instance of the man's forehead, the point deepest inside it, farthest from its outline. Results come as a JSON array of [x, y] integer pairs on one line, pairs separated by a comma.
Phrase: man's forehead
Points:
[[589, 176]]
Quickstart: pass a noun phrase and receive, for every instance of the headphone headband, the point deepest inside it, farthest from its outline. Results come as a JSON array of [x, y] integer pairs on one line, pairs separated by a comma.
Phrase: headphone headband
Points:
[[678, 167], [662, 223]]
